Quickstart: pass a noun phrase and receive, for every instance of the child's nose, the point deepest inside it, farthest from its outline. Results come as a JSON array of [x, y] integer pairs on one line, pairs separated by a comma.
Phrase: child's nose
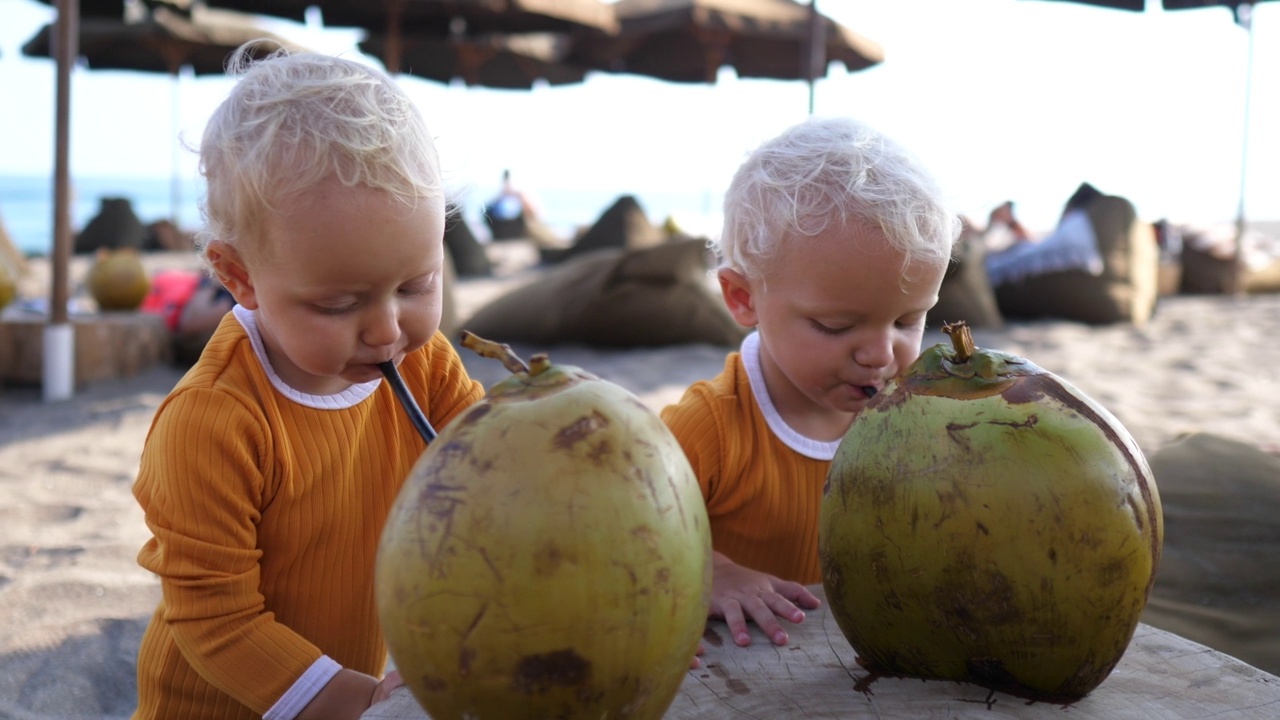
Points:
[[874, 349], [381, 325]]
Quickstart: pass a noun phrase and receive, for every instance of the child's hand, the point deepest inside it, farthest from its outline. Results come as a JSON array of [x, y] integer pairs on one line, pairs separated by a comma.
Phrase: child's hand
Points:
[[696, 662], [384, 688], [738, 592]]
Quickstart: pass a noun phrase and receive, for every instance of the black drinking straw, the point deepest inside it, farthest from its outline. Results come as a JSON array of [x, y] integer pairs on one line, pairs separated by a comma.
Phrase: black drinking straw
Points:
[[406, 399]]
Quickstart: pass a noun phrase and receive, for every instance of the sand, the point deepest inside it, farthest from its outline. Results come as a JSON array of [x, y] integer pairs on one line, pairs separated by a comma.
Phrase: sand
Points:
[[75, 603]]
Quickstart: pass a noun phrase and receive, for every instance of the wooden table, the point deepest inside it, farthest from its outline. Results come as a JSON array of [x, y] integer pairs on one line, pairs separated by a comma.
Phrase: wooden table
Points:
[[1161, 676]]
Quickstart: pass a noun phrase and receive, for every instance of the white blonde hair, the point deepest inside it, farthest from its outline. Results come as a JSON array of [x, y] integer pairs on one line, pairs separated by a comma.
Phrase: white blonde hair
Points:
[[294, 120], [832, 170]]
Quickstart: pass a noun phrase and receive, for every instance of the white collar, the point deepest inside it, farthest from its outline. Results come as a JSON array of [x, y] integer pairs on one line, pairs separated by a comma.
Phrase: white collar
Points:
[[350, 397], [807, 446]]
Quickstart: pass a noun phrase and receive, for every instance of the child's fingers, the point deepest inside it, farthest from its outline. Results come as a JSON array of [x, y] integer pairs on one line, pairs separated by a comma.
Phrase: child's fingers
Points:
[[783, 608], [798, 594], [737, 623], [764, 616]]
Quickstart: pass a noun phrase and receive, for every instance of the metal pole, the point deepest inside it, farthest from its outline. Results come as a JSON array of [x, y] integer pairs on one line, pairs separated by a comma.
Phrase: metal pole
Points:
[[1244, 16], [59, 336], [815, 56], [175, 150]]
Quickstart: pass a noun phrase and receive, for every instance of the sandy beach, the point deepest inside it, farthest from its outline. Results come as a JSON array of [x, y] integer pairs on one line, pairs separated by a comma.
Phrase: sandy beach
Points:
[[75, 602]]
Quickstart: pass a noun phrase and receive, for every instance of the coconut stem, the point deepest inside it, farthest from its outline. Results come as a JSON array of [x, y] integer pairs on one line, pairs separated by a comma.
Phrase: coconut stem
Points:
[[961, 339], [496, 351]]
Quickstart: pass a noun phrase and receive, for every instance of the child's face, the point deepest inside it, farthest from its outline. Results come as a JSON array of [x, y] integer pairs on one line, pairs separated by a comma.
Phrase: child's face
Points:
[[347, 278], [835, 316]]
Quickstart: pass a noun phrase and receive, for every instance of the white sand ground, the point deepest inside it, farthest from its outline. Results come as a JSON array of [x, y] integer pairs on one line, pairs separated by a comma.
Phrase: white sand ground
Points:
[[73, 602]]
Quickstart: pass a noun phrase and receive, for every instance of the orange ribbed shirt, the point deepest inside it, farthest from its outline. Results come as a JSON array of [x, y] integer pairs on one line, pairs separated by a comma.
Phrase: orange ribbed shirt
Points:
[[762, 496], [266, 514]]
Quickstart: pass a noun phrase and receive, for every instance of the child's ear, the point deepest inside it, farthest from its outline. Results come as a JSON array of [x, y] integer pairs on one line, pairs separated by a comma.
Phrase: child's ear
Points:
[[737, 297], [230, 268]]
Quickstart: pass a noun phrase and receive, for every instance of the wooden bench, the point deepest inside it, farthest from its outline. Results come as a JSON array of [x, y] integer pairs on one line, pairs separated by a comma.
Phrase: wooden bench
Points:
[[107, 345]]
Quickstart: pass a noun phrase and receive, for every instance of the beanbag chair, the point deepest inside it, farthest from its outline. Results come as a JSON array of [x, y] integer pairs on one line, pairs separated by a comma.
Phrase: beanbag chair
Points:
[[1207, 273], [115, 226], [623, 225], [468, 255], [448, 304], [1263, 280], [966, 293], [1219, 581], [616, 298], [1125, 291]]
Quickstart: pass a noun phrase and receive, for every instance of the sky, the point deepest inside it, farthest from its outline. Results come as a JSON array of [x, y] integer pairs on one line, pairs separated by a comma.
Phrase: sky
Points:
[[1003, 99]]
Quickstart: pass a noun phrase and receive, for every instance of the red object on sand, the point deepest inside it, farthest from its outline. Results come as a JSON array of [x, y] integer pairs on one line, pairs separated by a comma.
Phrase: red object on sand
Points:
[[170, 292]]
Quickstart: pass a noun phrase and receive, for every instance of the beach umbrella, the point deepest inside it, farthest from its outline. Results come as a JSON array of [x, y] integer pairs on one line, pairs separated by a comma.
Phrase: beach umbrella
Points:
[[512, 62], [690, 40], [1243, 10], [393, 20], [112, 9], [164, 40]]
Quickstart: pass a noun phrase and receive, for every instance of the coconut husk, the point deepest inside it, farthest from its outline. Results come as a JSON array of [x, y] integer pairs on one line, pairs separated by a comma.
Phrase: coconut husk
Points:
[[12, 259]]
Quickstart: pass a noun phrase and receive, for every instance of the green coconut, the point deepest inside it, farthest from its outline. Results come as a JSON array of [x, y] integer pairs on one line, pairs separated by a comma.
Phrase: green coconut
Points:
[[548, 557], [117, 280], [986, 521], [8, 286]]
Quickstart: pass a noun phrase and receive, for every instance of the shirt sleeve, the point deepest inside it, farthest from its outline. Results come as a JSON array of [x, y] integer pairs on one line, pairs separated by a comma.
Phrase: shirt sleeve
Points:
[[693, 422], [301, 693], [451, 389], [202, 488]]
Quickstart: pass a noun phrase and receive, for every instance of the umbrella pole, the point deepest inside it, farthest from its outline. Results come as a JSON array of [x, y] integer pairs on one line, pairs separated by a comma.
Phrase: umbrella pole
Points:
[[815, 59], [1244, 154], [59, 336], [175, 160], [394, 51]]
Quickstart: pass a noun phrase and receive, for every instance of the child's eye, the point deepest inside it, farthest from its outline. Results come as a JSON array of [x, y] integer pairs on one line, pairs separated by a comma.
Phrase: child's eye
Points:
[[422, 285], [825, 329], [328, 310]]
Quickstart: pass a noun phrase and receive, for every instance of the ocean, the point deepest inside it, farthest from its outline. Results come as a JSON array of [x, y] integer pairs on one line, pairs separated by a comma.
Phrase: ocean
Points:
[[26, 205]]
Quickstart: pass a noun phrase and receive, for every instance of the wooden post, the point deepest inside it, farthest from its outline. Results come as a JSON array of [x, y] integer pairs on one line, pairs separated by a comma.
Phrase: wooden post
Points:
[[391, 58], [59, 337]]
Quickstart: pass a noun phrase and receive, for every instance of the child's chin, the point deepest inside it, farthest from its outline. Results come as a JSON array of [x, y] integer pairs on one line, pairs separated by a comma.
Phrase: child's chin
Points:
[[361, 374]]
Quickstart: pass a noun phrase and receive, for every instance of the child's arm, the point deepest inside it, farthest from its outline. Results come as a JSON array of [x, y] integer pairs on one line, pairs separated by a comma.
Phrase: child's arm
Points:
[[348, 695], [738, 592]]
